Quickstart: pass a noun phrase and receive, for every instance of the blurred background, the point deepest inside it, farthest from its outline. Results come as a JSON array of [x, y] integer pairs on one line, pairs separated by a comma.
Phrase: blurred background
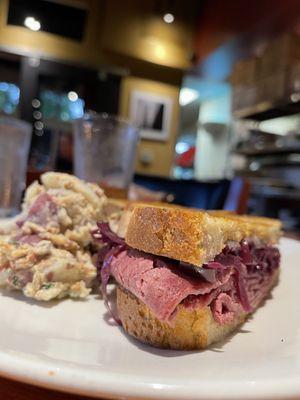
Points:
[[213, 85]]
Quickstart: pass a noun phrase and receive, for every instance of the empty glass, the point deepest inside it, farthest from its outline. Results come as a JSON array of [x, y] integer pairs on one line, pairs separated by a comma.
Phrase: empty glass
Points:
[[15, 136], [104, 151]]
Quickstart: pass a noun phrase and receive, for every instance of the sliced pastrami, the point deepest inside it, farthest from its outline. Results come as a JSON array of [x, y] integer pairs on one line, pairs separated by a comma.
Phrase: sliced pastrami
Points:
[[235, 281], [160, 288], [224, 308]]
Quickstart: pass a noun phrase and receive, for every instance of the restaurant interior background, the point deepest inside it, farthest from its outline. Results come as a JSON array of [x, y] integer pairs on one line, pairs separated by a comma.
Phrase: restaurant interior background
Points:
[[225, 75]]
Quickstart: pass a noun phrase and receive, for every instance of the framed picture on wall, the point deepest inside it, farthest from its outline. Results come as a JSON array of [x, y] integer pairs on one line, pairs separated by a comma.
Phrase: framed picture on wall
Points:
[[152, 114]]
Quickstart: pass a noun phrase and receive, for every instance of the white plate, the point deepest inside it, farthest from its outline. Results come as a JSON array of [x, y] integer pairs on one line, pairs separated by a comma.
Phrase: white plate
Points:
[[69, 346]]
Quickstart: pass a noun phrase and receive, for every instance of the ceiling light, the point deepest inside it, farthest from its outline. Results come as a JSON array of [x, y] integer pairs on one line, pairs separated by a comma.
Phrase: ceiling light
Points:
[[39, 125], [32, 23], [187, 96], [168, 18], [72, 96], [35, 103], [295, 97]]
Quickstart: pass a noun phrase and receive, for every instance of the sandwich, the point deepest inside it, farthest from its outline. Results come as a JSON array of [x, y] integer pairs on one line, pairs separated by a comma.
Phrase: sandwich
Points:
[[185, 278]]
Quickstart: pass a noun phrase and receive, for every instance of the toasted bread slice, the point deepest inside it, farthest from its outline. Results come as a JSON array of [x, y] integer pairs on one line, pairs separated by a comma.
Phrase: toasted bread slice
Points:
[[119, 221], [195, 237], [191, 329]]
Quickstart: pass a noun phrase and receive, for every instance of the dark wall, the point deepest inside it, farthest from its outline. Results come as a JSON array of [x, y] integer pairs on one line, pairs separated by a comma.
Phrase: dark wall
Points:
[[222, 20]]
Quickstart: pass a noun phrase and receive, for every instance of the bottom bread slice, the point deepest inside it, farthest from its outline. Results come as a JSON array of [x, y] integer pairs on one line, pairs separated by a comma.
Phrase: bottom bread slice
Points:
[[192, 328]]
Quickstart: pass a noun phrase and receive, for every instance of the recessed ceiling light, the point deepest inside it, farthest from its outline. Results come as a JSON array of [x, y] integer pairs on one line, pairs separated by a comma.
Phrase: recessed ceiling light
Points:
[[72, 96], [168, 18], [32, 23]]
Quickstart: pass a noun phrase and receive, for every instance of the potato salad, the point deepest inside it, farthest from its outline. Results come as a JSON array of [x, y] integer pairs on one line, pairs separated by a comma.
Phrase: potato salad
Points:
[[47, 250]]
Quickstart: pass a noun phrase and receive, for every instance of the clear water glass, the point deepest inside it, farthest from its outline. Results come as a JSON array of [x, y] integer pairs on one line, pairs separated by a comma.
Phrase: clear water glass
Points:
[[15, 137], [104, 151]]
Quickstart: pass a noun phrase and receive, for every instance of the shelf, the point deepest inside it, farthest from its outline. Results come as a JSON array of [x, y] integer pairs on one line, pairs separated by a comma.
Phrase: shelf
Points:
[[270, 151], [268, 110]]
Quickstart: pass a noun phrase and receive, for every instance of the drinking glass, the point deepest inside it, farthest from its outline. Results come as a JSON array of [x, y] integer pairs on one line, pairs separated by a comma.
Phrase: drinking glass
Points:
[[104, 151], [15, 137]]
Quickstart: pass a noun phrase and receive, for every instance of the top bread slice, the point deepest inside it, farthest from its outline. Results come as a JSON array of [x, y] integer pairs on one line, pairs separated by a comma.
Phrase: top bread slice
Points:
[[191, 236]]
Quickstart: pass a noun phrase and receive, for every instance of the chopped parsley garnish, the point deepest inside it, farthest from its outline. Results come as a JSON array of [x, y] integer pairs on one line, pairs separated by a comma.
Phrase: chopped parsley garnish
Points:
[[13, 241], [15, 280], [47, 286]]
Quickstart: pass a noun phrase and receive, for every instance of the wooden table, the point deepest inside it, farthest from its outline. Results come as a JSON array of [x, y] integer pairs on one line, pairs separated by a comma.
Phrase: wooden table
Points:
[[11, 390]]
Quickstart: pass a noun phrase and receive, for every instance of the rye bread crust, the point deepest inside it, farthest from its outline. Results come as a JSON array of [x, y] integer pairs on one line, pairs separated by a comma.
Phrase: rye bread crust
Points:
[[192, 236], [192, 329]]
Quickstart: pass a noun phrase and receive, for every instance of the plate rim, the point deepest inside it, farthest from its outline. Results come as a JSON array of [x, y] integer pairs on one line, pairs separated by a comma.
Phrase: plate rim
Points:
[[66, 378], [47, 376]]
